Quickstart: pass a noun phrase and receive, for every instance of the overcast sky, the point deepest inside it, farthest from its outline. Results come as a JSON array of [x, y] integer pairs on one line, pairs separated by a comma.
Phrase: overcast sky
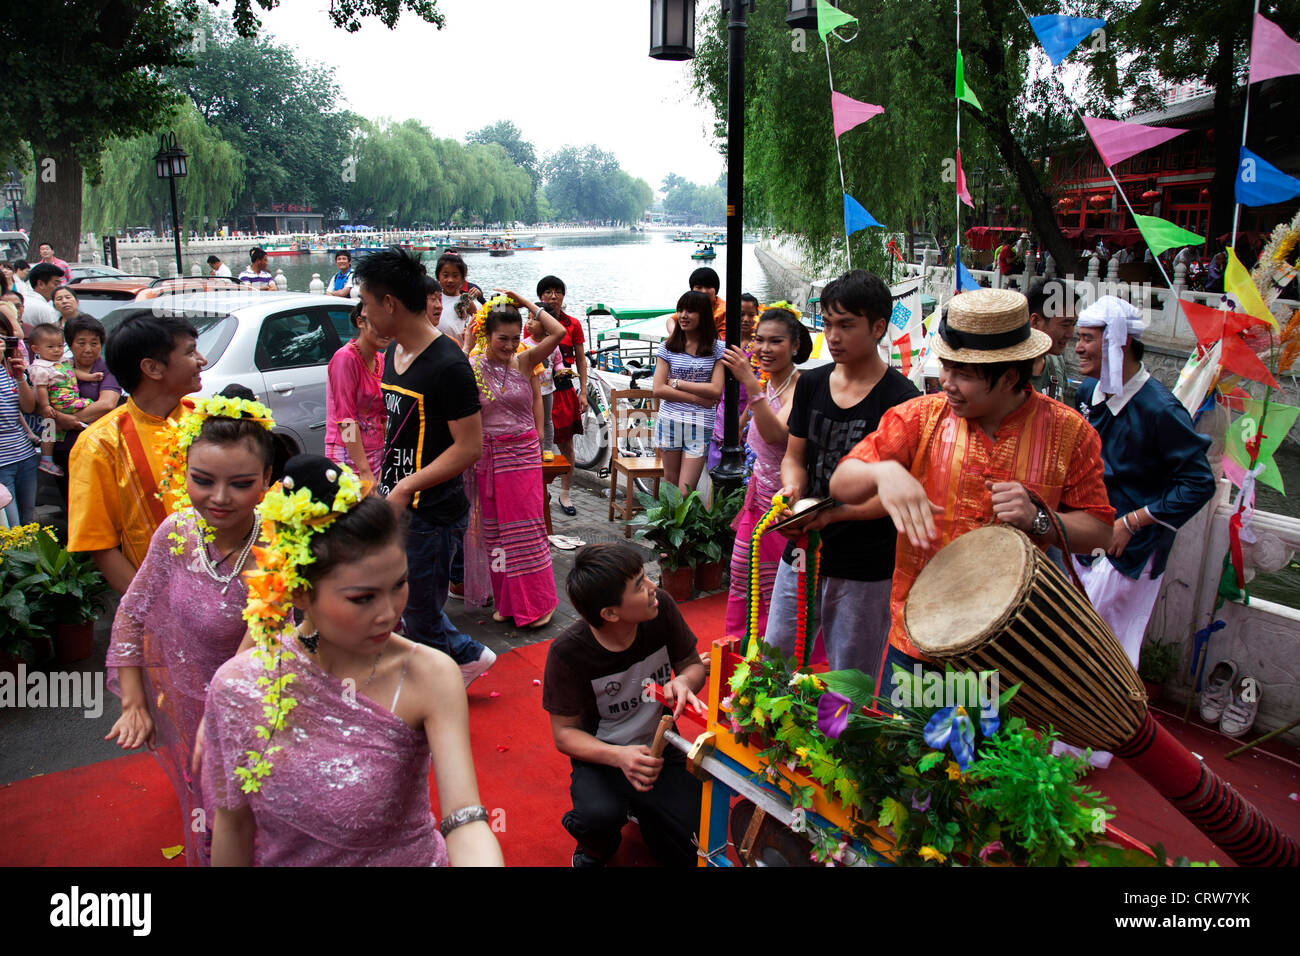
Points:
[[566, 72]]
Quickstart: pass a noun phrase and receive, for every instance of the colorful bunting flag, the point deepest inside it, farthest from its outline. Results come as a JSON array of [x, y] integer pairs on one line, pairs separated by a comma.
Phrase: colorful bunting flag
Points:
[[855, 217], [846, 112], [1210, 325], [962, 192], [965, 281], [1059, 35], [1272, 52], [1260, 183], [1117, 141], [964, 92], [1162, 235], [1198, 374], [1239, 285], [1247, 428], [828, 18], [1240, 358]]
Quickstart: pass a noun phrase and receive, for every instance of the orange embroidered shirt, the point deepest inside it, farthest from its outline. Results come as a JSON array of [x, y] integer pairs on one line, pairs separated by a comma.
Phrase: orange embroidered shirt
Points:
[[1046, 446]]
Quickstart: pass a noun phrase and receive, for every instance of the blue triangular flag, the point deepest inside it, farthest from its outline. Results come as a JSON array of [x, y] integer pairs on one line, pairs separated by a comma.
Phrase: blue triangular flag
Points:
[[1059, 35], [1260, 183], [965, 281], [855, 217]]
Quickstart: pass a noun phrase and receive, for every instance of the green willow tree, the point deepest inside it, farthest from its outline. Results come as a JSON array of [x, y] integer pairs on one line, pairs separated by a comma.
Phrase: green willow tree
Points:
[[587, 183], [899, 164], [93, 70], [521, 152], [130, 192]]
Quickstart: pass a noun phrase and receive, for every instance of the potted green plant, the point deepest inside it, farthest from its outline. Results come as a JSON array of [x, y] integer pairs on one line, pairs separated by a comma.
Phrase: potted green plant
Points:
[[670, 525], [64, 593], [1156, 663], [716, 524]]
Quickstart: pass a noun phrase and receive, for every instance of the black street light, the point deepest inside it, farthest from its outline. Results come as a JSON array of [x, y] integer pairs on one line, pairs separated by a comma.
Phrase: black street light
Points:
[[14, 194], [170, 162]]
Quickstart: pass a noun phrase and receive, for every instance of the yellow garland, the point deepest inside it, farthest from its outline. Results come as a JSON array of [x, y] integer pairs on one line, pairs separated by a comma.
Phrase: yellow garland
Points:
[[290, 519], [768, 519], [174, 449]]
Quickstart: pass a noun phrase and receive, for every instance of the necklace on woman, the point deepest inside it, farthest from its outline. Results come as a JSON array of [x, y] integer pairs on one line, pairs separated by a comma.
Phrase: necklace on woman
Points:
[[505, 376], [776, 393], [206, 566]]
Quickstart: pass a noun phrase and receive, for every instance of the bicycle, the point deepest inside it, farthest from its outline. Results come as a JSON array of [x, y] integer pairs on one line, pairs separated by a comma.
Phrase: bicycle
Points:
[[591, 445]]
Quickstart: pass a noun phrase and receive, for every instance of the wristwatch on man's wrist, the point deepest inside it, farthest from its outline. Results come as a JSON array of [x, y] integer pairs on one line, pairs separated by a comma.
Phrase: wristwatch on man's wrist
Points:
[[1042, 523]]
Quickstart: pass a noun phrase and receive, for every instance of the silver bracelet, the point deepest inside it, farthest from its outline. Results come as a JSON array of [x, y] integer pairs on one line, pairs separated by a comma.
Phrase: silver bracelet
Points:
[[461, 817], [1124, 518]]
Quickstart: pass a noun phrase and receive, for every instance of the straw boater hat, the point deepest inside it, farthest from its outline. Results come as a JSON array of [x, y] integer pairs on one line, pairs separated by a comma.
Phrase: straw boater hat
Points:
[[989, 325]]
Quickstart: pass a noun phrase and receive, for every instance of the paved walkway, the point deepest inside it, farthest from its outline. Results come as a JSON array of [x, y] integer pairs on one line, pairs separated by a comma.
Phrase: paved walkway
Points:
[[37, 741]]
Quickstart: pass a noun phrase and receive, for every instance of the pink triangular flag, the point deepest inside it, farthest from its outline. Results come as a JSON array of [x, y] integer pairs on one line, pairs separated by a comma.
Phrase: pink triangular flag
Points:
[[1272, 52], [848, 112], [962, 192], [1117, 141]]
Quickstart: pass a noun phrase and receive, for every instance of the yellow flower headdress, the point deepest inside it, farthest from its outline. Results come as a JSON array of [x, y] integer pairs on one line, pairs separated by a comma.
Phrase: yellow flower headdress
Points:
[[478, 326], [293, 511], [174, 448]]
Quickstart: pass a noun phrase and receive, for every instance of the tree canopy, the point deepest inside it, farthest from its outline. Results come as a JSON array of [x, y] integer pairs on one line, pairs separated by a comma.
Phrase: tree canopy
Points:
[[588, 183], [706, 204]]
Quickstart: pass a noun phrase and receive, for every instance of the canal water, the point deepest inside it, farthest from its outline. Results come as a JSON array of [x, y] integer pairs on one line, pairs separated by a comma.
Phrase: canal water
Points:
[[624, 270]]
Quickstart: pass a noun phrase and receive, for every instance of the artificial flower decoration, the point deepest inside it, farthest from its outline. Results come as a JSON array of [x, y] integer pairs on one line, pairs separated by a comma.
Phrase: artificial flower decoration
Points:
[[932, 855], [833, 713], [952, 726]]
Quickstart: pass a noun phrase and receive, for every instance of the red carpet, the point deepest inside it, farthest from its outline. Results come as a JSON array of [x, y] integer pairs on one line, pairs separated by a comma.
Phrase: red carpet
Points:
[[122, 812]]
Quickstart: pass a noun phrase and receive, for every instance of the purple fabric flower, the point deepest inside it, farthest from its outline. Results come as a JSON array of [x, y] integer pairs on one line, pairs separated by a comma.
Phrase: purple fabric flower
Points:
[[833, 713], [990, 849], [921, 805]]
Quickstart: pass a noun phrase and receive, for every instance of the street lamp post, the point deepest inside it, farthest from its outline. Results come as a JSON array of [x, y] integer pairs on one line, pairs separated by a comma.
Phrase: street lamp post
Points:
[[170, 164], [14, 194], [672, 37]]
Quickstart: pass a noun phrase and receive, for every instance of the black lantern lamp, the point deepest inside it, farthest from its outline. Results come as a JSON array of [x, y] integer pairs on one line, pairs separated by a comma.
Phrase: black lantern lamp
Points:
[[170, 164], [672, 29], [14, 194], [802, 14]]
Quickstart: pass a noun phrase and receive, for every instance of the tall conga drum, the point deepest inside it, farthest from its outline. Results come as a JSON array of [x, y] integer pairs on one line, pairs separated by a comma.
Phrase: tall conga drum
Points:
[[991, 600]]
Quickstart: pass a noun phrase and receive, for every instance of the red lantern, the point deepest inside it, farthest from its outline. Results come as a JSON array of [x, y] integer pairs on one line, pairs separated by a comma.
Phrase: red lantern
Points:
[[1150, 195], [1205, 193], [1098, 200]]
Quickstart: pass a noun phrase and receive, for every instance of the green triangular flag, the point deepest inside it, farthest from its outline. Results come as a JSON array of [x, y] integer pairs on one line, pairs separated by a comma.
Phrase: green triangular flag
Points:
[[828, 18], [1161, 234], [1275, 428], [964, 92]]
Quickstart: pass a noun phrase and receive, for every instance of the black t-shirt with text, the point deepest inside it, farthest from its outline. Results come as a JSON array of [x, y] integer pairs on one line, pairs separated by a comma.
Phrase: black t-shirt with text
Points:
[[605, 688], [438, 387], [852, 550]]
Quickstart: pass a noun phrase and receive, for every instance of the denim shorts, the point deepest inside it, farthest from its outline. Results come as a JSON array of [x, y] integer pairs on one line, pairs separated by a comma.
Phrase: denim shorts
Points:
[[689, 437]]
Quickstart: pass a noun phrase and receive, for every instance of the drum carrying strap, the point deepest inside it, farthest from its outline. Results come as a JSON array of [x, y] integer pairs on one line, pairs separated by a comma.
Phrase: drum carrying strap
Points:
[[1066, 552]]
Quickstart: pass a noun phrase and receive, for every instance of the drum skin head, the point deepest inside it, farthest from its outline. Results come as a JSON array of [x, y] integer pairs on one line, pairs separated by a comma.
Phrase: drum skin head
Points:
[[968, 590]]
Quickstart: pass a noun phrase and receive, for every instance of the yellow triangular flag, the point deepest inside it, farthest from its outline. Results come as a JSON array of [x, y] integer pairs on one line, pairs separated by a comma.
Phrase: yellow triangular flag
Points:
[[1239, 285]]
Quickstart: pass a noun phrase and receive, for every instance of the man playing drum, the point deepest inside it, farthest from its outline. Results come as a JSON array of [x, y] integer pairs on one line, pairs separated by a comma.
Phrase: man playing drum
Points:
[[943, 465]]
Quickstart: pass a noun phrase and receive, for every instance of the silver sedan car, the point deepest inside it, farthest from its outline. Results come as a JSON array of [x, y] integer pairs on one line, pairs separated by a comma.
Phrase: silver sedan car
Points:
[[277, 344]]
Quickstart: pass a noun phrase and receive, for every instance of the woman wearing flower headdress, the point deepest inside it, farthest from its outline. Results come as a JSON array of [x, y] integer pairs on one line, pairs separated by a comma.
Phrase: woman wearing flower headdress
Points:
[[182, 616], [318, 741], [507, 554], [781, 342]]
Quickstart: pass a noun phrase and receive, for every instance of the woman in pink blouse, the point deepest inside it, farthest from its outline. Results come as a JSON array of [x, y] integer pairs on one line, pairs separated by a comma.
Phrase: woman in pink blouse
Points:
[[354, 406]]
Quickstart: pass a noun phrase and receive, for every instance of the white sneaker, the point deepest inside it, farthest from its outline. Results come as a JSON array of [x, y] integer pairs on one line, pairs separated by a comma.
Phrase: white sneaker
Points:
[[1218, 690], [1239, 715], [476, 669]]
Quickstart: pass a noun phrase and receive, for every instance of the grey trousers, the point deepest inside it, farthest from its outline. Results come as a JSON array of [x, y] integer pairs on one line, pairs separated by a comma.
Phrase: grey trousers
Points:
[[548, 424], [853, 617]]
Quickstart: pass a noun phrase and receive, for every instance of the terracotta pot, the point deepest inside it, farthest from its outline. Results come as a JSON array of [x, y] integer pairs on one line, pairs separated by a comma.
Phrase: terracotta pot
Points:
[[708, 577], [74, 642], [1154, 691], [678, 583]]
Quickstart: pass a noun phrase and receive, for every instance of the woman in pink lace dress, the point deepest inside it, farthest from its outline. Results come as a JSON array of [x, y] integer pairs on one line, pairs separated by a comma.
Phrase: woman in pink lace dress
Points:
[[182, 616], [780, 342], [506, 548], [349, 785]]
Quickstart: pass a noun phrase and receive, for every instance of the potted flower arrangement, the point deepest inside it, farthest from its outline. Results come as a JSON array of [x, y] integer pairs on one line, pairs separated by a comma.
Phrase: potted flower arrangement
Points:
[[716, 526], [64, 592], [671, 524], [1156, 664], [950, 785]]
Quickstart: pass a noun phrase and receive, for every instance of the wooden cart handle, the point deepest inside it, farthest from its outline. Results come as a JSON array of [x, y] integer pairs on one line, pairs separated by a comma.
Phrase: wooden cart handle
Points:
[[665, 725]]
